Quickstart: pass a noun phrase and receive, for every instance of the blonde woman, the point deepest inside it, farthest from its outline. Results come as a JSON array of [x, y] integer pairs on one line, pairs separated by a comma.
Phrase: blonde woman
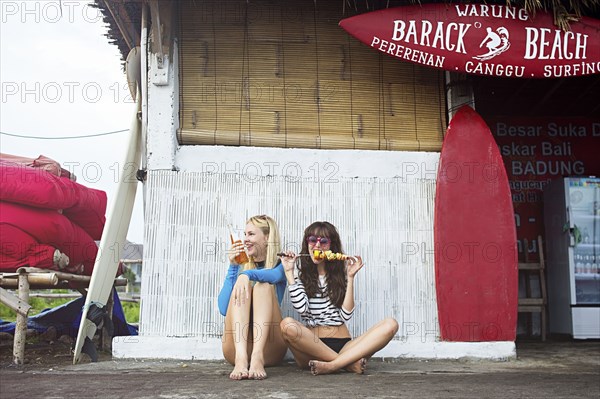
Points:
[[250, 301]]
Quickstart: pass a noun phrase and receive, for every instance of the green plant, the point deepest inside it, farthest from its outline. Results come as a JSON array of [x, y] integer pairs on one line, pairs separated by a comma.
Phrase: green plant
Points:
[[37, 305], [6, 313], [130, 309]]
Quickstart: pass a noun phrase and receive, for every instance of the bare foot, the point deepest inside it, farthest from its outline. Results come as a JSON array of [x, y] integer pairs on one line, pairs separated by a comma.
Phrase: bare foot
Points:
[[240, 371], [317, 367], [358, 366], [257, 368]]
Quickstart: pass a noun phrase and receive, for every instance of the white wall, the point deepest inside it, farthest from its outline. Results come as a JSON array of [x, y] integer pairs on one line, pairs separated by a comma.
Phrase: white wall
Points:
[[388, 220]]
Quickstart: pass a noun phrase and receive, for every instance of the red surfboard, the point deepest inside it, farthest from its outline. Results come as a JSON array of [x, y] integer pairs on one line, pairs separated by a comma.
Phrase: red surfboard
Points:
[[482, 39], [475, 236]]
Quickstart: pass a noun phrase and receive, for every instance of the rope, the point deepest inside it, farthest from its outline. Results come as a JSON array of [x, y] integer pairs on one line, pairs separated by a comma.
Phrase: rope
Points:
[[415, 104], [283, 73], [351, 96], [317, 85], [22, 136], [216, 82], [243, 69], [381, 100], [247, 57]]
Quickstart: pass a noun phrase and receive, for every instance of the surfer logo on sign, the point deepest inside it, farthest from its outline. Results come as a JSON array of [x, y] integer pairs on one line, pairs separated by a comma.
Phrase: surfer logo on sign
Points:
[[496, 42]]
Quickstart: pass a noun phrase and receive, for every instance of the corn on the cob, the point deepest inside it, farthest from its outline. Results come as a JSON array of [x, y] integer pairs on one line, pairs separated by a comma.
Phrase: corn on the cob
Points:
[[328, 255]]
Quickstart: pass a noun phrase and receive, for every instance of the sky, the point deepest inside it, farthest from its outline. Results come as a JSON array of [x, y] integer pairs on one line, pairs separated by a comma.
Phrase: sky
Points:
[[60, 77]]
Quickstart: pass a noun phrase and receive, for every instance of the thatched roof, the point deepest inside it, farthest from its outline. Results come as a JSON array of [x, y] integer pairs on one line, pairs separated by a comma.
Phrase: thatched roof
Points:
[[124, 16], [124, 20], [565, 11]]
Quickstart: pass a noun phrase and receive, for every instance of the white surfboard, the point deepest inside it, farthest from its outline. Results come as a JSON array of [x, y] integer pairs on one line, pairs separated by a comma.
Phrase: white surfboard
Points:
[[133, 70], [114, 235]]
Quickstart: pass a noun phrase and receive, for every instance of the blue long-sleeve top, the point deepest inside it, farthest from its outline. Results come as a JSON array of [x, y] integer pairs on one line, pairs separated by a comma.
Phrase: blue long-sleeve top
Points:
[[275, 276]]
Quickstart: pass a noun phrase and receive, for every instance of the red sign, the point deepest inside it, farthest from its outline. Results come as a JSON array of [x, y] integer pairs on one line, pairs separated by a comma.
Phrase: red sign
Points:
[[536, 151], [482, 39]]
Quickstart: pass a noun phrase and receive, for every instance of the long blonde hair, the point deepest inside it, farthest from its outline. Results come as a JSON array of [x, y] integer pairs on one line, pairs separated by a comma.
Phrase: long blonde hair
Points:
[[269, 228]]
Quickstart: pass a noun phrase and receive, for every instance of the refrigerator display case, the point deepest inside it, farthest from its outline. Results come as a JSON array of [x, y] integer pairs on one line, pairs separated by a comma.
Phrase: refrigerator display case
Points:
[[572, 221]]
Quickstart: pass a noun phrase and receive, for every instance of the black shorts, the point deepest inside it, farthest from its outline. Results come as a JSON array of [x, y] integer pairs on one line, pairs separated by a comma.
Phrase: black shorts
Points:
[[336, 343]]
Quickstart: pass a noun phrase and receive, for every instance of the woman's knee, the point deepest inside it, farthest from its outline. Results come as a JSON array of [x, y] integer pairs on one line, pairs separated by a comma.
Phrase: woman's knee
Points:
[[290, 328], [391, 326], [262, 289]]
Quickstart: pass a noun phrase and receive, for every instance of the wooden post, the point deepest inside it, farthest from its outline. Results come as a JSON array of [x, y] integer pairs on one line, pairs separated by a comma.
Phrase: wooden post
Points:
[[13, 302], [21, 327], [35, 279]]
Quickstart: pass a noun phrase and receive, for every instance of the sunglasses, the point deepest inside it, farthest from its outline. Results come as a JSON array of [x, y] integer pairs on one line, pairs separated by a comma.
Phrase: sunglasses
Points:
[[313, 240]]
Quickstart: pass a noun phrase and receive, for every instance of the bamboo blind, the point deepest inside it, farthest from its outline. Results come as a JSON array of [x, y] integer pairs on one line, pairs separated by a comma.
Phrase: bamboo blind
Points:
[[284, 74]]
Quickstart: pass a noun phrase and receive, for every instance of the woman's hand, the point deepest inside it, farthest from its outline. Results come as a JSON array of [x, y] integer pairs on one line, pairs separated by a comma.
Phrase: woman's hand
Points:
[[241, 290], [353, 266], [236, 249], [288, 260]]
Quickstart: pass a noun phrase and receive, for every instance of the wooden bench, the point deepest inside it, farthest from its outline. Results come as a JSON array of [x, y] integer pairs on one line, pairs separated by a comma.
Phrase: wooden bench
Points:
[[28, 278]]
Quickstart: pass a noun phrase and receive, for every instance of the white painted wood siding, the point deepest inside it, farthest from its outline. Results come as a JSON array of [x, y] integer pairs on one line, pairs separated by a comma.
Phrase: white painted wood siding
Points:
[[389, 221]]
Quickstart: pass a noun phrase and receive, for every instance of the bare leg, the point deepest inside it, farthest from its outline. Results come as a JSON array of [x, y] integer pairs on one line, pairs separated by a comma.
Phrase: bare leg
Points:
[[359, 366], [237, 338], [373, 340], [304, 344], [268, 347]]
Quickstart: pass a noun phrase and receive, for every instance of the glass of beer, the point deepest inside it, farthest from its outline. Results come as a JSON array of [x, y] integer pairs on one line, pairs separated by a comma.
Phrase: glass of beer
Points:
[[242, 257]]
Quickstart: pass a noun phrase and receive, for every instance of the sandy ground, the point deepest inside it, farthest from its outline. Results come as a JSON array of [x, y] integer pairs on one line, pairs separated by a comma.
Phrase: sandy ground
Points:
[[542, 370]]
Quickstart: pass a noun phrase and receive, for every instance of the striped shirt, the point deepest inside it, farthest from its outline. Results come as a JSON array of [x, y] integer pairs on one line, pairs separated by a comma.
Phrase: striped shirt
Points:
[[317, 311]]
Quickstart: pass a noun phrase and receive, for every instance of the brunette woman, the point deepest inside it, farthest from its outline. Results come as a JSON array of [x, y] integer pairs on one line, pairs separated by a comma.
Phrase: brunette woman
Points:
[[323, 294]]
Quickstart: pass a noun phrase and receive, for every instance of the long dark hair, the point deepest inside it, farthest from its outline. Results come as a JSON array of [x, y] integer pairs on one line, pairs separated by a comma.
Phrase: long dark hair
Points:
[[335, 270]]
